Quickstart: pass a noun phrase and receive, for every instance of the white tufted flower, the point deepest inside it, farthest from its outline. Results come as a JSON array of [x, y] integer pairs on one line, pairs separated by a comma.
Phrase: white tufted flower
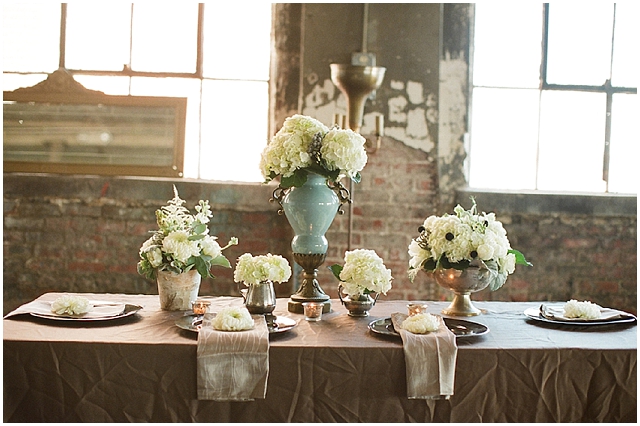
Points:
[[421, 323], [70, 305], [233, 318]]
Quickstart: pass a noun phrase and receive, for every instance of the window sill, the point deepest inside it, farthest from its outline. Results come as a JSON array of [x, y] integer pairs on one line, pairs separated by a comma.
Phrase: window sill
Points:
[[538, 202]]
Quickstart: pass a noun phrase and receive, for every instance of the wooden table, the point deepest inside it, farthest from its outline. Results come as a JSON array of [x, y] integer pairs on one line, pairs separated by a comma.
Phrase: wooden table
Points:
[[143, 368]]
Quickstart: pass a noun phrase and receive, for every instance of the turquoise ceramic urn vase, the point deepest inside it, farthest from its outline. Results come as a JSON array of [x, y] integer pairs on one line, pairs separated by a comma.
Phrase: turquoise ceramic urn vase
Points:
[[310, 210]]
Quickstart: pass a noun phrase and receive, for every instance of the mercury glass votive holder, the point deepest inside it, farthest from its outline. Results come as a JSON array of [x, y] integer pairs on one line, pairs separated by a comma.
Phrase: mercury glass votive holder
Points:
[[416, 308], [200, 307], [312, 311]]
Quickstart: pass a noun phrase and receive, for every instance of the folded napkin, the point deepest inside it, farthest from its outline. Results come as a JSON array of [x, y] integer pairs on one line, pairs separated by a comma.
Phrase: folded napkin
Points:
[[98, 310], [430, 360], [557, 313], [233, 365]]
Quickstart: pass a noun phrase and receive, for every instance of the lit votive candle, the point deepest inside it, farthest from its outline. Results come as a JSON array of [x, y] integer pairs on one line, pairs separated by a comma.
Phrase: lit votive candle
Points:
[[200, 307], [416, 308], [312, 311]]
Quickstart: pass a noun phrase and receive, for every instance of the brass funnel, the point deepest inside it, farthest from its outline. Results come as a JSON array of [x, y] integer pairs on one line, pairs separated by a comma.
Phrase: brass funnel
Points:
[[356, 82]]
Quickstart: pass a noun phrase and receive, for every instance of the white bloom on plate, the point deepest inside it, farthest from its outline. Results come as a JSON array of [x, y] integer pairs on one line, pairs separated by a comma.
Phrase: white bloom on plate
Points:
[[421, 323], [344, 150], [179, 246], [364, 272], [70, 305], [585, 310], [210, 246], [233, 318]]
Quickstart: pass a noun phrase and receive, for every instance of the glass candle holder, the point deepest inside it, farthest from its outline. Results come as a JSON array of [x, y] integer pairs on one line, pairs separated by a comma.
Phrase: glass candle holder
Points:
[[313, 311], [200, 307], [416, 308]]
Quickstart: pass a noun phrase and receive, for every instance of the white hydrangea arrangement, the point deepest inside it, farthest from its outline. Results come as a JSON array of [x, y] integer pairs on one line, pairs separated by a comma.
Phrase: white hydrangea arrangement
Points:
[[255, 269], [363, 273], [421, 323], [233, 318], [182, 242], [465, 238], [304, 145], [585, 310], [70, 305]]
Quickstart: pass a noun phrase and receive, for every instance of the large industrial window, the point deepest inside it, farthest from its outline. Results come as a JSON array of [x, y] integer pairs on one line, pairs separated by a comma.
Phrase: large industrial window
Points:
[[216, 56], [554, 97]]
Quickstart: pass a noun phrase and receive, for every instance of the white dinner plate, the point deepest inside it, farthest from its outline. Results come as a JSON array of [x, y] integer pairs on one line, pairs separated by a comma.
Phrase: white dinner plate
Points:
[[129, 309], [534, 314]]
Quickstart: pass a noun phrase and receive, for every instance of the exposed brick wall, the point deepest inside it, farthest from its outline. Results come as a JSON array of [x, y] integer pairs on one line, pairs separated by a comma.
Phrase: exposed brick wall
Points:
[[83, 233]]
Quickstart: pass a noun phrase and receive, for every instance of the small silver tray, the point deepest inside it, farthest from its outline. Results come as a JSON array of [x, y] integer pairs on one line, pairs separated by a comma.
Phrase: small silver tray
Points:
[[194, 323], [460, 328]]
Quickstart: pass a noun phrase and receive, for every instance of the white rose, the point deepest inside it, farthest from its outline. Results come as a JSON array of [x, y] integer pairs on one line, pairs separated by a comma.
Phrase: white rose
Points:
[[233, 318], [178, 244], [210, 246], [155, 257]]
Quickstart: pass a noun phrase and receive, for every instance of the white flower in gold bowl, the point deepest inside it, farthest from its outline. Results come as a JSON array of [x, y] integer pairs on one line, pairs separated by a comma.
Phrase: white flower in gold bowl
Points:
[[464, 239]]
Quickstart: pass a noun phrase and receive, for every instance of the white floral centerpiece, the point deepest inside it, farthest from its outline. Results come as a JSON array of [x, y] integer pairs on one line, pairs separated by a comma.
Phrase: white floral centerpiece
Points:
[[256, 269], [462, 240], [182, 242], [304, 145], [363, 273]]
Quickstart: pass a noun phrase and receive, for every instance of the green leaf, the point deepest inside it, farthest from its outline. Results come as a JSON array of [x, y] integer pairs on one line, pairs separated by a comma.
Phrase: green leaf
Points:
[[336, 269], [429, 265], [220, 261], [199, 228], [357, 178], [298, 179], [202, 267], [520, 260], [195, 237]]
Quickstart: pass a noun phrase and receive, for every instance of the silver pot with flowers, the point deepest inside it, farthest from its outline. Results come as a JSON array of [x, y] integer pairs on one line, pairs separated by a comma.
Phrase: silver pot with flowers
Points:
[[465, 253]]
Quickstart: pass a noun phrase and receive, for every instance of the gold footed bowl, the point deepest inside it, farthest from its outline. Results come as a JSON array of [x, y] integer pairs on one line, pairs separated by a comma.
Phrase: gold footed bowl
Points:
[[462, 283]]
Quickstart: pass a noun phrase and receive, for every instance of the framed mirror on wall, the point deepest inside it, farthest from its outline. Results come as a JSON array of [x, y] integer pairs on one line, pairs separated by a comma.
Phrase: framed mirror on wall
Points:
[[59, 126]]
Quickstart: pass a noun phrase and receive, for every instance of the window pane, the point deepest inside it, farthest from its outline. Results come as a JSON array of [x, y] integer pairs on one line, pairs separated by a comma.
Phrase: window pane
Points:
[[571, 141], [623, 162], [579, 48], [234, 130], [183, 88], [98, 36], [31, 36], [625, 49], [508, 54], [164, 37], [504, 131], [237, 40], [11, 82]]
